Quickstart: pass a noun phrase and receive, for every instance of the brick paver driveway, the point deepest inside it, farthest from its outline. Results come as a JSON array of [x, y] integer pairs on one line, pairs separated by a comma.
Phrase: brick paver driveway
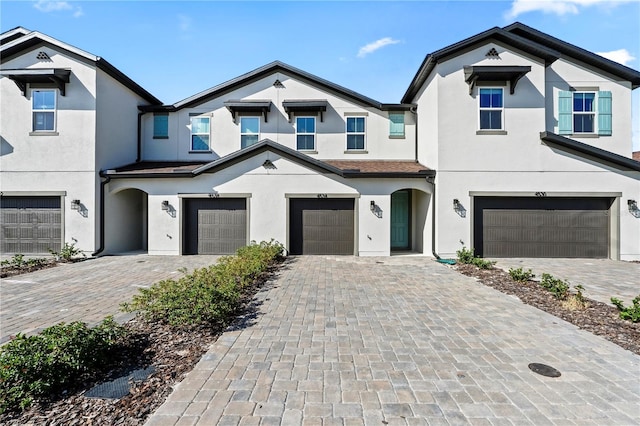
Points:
[[400, 341], [85, 291], [601, 278]]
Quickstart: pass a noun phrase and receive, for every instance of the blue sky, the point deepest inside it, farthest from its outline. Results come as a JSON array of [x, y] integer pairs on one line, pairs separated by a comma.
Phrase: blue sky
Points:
[[175, 49]]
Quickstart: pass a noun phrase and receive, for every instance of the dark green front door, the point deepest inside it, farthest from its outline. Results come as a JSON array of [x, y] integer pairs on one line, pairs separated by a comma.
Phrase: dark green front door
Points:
[[400, 220]]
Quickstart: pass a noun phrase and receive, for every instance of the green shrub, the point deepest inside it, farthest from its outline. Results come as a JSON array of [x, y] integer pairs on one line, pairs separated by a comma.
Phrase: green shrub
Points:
[[468, 257], [482, 263], [43, 365], [67, 253], [521, 275], [465, 255], [558, 287], [207, 295], [630, 313]]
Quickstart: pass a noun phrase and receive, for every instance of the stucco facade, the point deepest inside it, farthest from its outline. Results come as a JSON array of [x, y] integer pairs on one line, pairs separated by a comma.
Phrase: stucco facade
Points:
[[279, 153]]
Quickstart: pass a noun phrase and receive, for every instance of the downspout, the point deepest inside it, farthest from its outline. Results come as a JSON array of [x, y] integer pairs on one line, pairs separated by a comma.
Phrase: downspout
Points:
[[139, 155], [432, 181], [101, 213]]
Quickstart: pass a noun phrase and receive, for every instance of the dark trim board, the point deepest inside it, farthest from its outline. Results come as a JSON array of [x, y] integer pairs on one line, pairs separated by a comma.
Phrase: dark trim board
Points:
[[542, 226]]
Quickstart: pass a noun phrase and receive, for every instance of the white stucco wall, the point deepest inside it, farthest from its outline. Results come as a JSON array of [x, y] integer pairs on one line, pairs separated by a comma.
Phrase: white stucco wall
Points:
[[59, 162], [267, 192], [330, 133], [564, 75]]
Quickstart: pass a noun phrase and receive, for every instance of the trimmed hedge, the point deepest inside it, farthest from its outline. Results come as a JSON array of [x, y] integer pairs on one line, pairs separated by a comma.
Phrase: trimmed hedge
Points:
[[207, 295]]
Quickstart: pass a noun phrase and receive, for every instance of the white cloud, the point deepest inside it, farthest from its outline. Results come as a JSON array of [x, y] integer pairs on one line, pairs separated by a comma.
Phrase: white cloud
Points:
[[558, 7], [621, 56], [378, 44], [47, 6], [51, 6]]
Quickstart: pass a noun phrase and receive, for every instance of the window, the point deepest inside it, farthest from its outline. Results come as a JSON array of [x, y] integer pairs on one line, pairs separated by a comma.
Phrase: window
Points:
[[160, 125], [306, 133], [355, 133], [43, 104], [584, 112], [491, 109], [396, 124], [249, 131], [200, 134]]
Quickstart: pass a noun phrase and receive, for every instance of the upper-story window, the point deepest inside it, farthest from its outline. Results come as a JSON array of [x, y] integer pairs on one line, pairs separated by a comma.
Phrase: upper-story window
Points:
[[306, 133], [249, 131], [160, 125], [396, 124], [200, 133], [43, 105], [356, 127], [585, 112], [491, 109]]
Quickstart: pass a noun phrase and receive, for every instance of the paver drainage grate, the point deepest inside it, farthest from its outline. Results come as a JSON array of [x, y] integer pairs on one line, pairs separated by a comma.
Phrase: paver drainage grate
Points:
[[544, 370], [119, 387]]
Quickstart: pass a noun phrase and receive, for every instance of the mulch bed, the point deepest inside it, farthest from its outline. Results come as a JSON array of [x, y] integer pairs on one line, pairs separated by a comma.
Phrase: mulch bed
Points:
[[598, 318], [173, 353]]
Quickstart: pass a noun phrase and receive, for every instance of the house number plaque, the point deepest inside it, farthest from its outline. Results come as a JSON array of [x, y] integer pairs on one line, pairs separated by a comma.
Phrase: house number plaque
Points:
[[541, 194], [322, 195], [214, 195]]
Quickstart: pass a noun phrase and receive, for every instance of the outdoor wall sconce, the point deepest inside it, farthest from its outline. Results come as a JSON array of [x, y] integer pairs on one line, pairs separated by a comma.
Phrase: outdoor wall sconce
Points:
[[633, 208], [459, 208], [375, 209], [165, 205], [268, 165], [75, 204]]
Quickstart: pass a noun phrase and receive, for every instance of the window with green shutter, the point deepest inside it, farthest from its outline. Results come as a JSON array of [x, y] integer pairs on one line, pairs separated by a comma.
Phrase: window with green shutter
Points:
[[584, 113], [396, 125]]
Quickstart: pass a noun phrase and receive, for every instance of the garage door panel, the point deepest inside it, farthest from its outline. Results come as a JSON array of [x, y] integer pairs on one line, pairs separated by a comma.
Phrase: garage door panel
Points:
[[30, 225], [321, 226], [214, 226], [572, 227]]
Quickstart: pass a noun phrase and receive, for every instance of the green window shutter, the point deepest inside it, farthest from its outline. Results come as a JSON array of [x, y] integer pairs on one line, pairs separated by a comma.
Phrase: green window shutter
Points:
[[396, 124], [565, 113], [604, 113], [160, 125]]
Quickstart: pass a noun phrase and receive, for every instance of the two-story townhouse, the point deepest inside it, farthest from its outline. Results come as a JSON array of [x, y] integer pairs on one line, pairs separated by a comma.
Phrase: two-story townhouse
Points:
[[275, 153], [65, 114], [531, 140], [530, 137]]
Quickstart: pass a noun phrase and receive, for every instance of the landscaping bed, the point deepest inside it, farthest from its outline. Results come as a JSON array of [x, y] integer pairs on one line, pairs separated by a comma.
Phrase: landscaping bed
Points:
[[598, 318], [172, 346]]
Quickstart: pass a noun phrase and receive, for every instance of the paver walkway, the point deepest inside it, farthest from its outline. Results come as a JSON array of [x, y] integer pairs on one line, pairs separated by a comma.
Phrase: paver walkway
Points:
[[84, 291], [397, 341], [601, 278]]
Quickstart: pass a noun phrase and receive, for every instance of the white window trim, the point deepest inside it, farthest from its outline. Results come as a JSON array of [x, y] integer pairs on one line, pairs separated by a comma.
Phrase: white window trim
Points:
[[315, 123], [192, 133], [593, 113], [347, 133], [55, 113], [249, 134], [501, 109]]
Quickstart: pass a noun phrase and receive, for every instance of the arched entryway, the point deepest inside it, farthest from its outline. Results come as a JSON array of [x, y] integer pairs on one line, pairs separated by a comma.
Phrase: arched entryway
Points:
[[408, 217], [126, 221]]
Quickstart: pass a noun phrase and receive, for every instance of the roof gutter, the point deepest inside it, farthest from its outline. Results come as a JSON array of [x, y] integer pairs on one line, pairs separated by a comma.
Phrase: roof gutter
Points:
[[101, 213]]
